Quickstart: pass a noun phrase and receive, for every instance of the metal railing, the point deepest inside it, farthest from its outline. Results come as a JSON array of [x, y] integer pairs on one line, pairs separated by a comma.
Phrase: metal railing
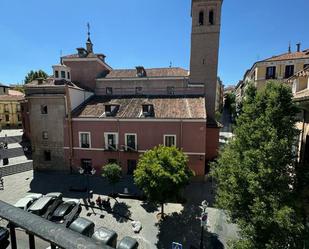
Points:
[[57, 235]]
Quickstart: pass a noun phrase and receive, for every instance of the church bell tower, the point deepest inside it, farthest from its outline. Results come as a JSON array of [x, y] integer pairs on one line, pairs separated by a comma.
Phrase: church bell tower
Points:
[[206, 23]]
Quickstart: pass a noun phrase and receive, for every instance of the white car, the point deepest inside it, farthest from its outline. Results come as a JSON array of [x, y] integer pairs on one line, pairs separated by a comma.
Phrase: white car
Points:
[[26, 202]]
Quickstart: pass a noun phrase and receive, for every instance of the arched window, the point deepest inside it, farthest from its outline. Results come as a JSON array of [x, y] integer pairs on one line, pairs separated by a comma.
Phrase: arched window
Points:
[[201, 18], [211, 17]]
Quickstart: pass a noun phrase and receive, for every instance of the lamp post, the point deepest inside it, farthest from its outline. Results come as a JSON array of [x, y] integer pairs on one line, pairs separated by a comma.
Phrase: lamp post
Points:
[[87, 172], [203, 218]]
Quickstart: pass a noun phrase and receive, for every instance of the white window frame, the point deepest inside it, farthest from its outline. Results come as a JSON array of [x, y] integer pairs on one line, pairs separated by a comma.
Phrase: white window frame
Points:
[[80, 138], [170, 135], [106, 139], [126, 139]]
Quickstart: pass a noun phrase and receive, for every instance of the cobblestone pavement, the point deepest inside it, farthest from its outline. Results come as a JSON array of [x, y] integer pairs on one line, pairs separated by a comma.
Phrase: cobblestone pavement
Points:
[[181, 224]]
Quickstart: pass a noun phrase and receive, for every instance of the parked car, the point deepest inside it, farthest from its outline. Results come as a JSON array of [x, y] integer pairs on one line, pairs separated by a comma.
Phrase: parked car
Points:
[[4, 236], [64, 210], [46, 205], [26, 202]]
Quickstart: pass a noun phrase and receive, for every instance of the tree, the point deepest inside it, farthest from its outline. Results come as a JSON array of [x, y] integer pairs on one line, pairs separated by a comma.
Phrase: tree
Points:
[[161, 173], [255, 172], [230, 103], [33, 75], [112, 172]]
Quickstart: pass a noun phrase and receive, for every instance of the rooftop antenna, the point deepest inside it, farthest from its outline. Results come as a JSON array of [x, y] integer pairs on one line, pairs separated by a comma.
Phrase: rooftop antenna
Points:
[[171, 64], [289, 47]]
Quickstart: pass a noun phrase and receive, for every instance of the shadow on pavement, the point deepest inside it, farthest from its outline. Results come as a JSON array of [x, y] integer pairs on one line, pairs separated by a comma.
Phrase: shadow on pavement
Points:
[[149, 207], [185, 228], [121, 212], [61, 182]]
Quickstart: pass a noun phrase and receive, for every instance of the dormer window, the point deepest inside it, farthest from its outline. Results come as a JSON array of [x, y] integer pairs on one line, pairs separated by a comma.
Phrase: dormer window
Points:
[[82, 52], [140, 72], [56, 74], [201, 18], [211, 18], [69, 76], [111, 110], [148, 110]]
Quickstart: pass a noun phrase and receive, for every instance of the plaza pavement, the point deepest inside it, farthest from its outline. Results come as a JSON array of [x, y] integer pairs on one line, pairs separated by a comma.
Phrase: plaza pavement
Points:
[[181, 224]]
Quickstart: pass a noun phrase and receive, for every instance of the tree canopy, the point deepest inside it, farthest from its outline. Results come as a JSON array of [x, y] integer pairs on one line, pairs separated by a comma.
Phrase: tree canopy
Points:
[[255, 172], [112, 172], [33, 75], [161, 173]]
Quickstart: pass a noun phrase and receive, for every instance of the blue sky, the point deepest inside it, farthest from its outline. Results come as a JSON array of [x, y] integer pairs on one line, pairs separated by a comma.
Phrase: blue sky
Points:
[[151, 33]]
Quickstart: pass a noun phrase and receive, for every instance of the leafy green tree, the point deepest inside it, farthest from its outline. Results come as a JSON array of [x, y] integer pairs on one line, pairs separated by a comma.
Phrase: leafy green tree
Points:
[[112, 172], [230, 103], [255, 173], [33, 75], [161, 173]]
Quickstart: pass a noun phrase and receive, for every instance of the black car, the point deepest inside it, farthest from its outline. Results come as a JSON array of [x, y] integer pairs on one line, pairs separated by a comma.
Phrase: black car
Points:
[[64, 210], [4, 236]]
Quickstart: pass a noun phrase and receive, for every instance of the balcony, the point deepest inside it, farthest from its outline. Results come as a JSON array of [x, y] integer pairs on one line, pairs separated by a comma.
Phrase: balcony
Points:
[[130, 148], [35, 226], [111, 147]]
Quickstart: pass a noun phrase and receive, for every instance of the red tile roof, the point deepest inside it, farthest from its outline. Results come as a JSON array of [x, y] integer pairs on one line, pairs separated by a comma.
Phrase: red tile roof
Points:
[[151, 72], [290, 56], [131, 107]]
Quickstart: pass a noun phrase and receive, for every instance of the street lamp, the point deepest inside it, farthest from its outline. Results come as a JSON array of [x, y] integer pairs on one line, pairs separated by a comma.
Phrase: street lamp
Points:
[[87, 172], [203, 218]]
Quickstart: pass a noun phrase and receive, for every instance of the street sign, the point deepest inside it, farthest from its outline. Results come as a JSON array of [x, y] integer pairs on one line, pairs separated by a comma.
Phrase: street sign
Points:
[[176, 245]]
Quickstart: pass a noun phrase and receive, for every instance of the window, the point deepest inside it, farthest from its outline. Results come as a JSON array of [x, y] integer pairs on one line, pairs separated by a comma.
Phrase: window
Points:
[[271, 73], [18, 107], [56, 74], [6, 107], [130, 142], [7, 118], [111, 110], [211, 18], [69, 76], [43, 109], [47, 155], [201, 18], [289, 71], [138, 90], [148, 110], [84, 139], [111, 141], [45, 135], [109, 91], [306, 65], [170, 90], [18, 117], [63, 74], [169, 140], [4, 89]]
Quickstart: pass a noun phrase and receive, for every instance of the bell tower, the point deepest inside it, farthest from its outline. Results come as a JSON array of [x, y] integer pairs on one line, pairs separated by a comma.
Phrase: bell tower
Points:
[[206, 23]]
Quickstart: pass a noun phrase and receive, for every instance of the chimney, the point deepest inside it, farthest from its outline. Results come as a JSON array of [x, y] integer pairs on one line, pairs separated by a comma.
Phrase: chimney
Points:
[[298, 46]]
